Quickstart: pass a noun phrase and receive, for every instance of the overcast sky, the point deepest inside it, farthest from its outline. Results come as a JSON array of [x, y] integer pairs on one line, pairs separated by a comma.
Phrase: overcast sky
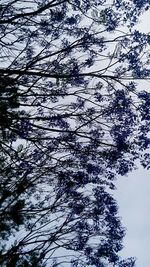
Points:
[[133, 197]]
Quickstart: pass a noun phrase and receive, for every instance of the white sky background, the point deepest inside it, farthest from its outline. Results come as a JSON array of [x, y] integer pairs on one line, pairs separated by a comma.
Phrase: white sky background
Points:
[[133, 197]]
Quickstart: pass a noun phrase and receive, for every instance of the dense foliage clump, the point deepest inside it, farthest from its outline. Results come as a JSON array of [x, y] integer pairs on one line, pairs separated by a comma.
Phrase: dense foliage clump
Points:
[[73, 116]]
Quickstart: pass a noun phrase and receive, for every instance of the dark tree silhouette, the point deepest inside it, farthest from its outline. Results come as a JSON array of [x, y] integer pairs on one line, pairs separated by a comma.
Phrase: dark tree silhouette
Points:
[[72, 118]]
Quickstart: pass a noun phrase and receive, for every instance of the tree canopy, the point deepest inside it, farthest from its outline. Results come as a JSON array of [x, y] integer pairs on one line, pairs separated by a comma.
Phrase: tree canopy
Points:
[[73, 116]]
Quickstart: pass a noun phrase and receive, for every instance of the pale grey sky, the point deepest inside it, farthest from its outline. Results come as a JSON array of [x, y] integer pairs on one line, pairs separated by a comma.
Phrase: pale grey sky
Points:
[[133, 197]]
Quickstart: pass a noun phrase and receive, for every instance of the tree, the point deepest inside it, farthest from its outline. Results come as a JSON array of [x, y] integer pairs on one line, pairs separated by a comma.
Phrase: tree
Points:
[[75, 118]]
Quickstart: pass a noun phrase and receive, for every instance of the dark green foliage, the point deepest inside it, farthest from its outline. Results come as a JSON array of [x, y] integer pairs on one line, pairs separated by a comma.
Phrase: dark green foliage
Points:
[[9, 102]]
